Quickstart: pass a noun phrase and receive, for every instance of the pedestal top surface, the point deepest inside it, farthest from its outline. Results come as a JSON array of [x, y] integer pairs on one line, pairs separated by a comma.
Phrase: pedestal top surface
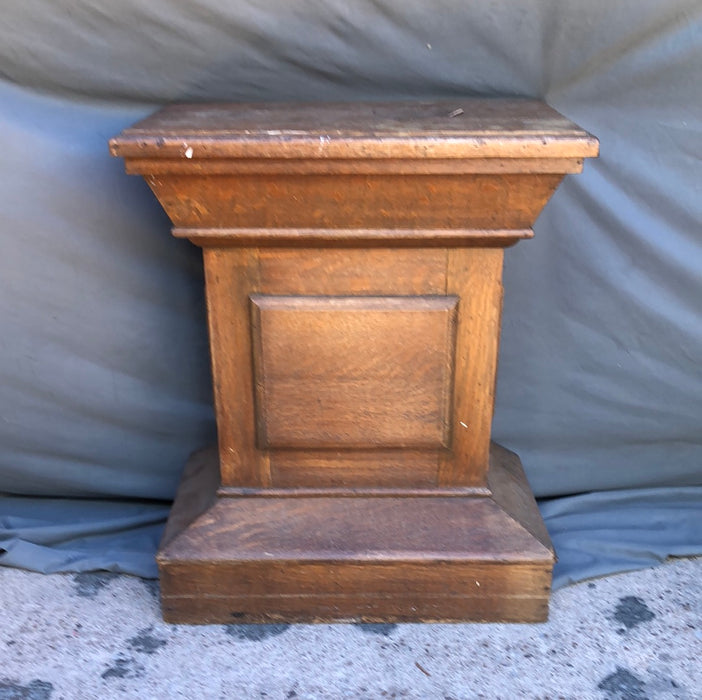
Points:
[[460, 128]]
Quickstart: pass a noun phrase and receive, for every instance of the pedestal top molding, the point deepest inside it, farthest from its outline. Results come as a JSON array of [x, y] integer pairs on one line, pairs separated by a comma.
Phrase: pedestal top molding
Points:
[[454, 130], [452, 172]]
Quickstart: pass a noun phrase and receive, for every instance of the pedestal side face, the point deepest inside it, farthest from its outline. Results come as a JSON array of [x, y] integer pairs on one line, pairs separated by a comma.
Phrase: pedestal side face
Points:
[[320, 385]]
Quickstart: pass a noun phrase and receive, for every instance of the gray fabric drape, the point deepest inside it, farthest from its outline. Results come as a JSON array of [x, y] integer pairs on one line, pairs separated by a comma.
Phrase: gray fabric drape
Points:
[[104, 380]]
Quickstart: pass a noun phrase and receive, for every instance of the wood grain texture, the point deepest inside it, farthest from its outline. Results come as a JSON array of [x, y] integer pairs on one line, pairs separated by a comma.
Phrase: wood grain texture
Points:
[[458, 128], [352, 238], [510, 490], [347, 272], [331, 559], [478, 201], [357, 166], [197, 491], [444, 579], [359, 529], [354, 469], [475, 276], [395, 608], [229, 275], [353, 259], [351, 490], [360, 271], [354, 372]]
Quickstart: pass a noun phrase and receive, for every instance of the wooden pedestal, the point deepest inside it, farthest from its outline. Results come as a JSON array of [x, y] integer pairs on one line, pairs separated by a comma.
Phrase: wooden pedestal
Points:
[[353, 260]]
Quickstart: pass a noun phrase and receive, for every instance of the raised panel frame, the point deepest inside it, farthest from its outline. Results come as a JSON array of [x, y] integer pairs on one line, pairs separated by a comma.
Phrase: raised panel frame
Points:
[[353, 372], [470, 275]]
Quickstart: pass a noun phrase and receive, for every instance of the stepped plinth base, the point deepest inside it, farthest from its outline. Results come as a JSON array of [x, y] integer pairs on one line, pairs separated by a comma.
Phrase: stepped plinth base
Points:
[[424, 558]]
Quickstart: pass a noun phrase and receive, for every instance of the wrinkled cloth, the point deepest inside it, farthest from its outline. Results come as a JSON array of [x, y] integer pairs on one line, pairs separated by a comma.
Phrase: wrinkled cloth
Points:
[[104, 372]]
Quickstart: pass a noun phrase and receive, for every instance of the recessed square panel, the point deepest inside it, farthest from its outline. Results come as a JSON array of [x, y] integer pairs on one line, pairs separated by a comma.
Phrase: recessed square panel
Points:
[[353, 371]]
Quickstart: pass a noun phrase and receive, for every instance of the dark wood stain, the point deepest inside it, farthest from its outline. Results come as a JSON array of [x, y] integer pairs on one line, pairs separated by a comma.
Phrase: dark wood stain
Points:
[[353, 261]]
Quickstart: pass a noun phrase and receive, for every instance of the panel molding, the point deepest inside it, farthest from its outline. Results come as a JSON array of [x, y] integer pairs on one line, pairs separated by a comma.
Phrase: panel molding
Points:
[[352, 371]]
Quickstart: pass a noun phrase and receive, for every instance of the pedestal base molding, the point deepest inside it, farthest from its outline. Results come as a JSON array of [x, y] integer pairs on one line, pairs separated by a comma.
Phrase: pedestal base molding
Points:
[[355, 558]]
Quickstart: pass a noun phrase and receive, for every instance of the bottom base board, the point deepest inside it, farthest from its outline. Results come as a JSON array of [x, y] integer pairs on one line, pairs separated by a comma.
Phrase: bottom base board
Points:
[[355, 558]]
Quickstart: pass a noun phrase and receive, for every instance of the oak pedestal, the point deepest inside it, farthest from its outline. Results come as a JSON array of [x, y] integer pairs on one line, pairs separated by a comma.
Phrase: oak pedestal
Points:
[[353, 259]]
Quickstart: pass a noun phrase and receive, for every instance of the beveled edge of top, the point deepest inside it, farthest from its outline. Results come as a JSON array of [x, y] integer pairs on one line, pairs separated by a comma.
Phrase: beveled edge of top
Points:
[[447, 129]]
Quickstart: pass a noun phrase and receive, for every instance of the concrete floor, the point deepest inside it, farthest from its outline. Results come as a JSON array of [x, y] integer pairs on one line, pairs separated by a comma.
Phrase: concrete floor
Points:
[[625, 637]]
